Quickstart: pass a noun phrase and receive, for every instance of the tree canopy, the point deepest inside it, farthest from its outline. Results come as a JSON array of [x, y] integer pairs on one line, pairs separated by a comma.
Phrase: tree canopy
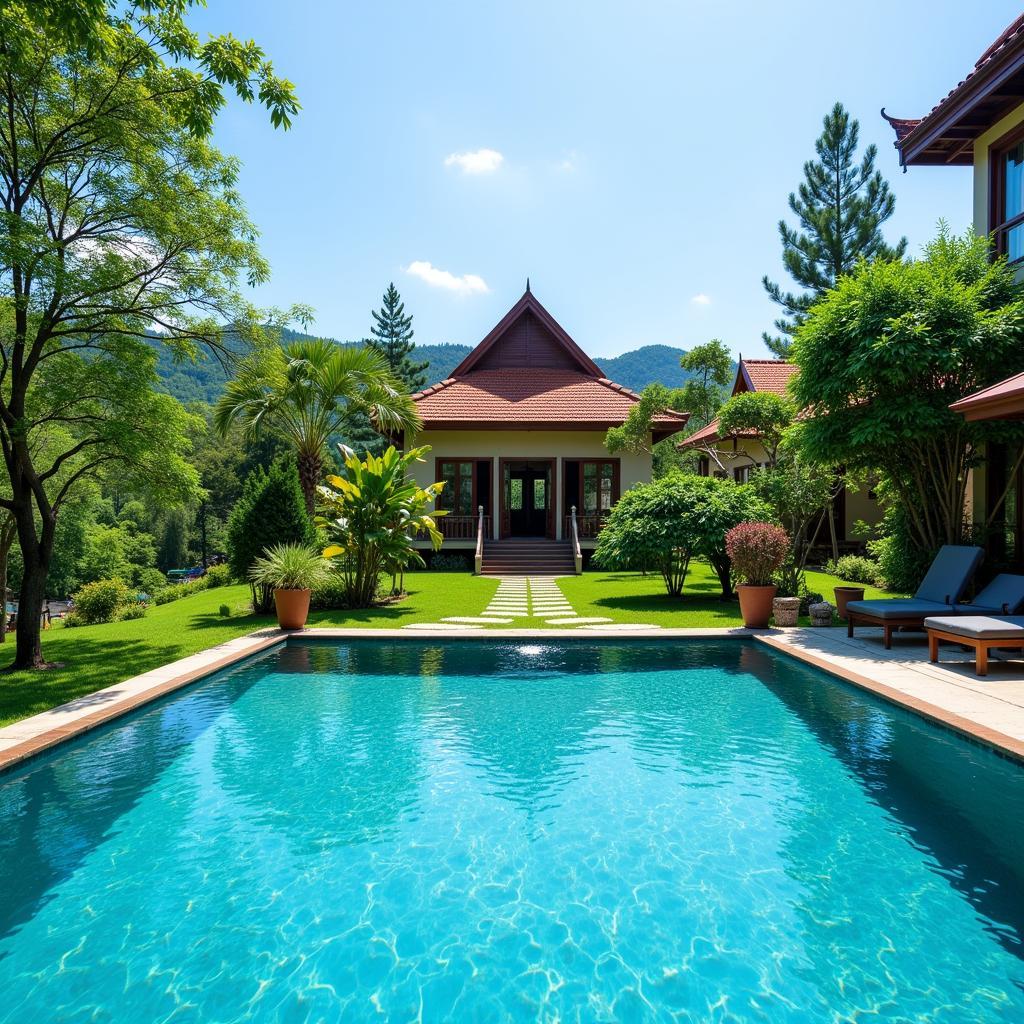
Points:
[[884, 354], [119, 221]]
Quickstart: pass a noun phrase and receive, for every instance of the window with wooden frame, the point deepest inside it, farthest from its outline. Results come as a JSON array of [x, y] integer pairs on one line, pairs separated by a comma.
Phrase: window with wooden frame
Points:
[[1006, 193], [599, 485], [466, 485]]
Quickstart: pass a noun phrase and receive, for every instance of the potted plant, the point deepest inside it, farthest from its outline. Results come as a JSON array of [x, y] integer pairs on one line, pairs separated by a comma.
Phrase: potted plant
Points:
[[845, 594], [293, 570], [756, 551]]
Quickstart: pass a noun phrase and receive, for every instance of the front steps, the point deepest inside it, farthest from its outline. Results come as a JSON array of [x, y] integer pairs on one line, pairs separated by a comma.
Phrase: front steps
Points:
[[528, 556]]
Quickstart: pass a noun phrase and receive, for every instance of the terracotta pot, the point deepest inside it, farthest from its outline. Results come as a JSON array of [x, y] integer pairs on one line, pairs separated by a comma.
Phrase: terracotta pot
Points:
[[844, 594], [786, 611], [756, 604], [292, 608]]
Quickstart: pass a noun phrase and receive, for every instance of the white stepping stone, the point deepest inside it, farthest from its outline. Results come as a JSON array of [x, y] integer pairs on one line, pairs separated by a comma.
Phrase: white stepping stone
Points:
[[576, 620], [620, 626], [439, 627], [484, 620]]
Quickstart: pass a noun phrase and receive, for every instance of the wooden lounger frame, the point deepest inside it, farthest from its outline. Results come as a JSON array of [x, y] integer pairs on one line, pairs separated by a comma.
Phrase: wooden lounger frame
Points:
[[981, 645]]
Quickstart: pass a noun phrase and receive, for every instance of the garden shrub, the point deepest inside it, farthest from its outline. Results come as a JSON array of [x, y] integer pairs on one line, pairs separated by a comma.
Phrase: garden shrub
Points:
[[271, 510], [902, 564], [329, 596], [149, 581], [855, 569], [218, 576], [757, 551], [101, 601], [662, 525], [177, 590], [450, 562], [224, 611], [131, 611]]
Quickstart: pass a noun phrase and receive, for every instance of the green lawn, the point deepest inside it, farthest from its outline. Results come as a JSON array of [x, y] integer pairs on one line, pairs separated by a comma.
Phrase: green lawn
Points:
[[98, 656], [630, 597]]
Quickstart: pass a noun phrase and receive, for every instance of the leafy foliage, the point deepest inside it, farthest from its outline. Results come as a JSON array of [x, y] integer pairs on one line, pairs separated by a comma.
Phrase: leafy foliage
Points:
[[856, 569], [840, 207], [884, 354], [372, 512], [664, 524], [101, 601], [758, 412], [271, 510], [308, 391], [757, 551]]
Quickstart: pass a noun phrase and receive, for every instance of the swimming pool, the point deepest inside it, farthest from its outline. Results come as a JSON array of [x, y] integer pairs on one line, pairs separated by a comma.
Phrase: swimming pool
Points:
[[480, 831]]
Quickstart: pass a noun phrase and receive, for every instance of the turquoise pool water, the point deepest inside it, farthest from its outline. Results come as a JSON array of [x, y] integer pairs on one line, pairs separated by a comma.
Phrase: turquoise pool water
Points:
[[489, 832]]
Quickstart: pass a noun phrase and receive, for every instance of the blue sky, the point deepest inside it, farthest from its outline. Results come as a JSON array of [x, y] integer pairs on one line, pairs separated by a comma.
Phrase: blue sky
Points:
[[642, 153]]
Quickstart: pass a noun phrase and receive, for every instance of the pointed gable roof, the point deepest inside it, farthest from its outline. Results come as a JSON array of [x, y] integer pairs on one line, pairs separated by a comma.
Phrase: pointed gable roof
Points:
[[528, 335], [529, 374]]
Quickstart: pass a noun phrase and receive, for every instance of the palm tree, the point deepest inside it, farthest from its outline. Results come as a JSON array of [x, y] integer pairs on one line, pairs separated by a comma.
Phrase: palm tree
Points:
[[308, 390]]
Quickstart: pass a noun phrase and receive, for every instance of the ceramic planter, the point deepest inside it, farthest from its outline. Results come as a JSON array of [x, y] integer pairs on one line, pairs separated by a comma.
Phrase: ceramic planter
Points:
[[786, 611], [844, 594], [292, 608], [756, 604]]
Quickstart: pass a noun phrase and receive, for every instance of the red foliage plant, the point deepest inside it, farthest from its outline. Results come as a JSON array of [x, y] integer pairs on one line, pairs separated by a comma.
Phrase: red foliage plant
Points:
[[756, 551]]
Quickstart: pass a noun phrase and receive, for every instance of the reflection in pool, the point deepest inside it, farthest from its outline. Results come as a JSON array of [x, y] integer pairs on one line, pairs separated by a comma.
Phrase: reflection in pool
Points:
[[490, 831]]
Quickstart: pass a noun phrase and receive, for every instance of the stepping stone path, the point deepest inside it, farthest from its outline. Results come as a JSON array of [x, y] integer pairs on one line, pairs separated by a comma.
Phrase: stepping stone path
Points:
[[519, 597]]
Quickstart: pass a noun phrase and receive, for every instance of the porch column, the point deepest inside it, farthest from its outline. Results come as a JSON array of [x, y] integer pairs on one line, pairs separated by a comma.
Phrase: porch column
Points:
[[495, 499], [556, 486]]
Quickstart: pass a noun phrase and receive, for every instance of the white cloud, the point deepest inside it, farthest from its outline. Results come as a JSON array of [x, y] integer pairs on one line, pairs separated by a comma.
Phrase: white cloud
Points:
[[701, 300], [477, 161], [568, 163], [467, 284]]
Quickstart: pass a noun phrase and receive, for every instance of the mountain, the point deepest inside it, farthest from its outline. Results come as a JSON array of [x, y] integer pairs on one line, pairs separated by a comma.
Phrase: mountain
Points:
[[645, 365], [204, 380]]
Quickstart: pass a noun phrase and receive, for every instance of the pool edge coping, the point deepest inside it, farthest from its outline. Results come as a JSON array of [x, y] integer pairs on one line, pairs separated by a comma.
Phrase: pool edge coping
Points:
[[29, 737], [966, 728]]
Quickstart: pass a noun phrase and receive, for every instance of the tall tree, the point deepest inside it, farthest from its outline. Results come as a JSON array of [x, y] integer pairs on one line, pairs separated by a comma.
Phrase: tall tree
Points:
[[884, 354], [840, 207], [392, 336], [117, 217], [309, 391], [710, 369]]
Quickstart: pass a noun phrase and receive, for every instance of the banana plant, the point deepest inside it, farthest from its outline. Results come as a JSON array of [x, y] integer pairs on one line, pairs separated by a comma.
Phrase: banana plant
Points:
[[372, 512]]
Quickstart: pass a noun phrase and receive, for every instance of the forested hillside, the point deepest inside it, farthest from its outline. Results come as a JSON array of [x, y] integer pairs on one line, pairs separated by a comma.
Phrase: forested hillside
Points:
[[202, 381]]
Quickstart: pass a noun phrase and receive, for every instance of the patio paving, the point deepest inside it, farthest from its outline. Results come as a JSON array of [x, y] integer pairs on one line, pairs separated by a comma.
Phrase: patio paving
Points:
[[988, 708]]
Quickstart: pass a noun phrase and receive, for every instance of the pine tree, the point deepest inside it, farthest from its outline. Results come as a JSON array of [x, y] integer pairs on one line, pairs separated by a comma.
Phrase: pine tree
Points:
[[392, 337], [841, 206]]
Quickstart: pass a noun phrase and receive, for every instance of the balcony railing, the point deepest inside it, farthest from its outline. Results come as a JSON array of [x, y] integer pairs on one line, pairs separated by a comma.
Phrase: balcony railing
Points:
[[587, 526], [462, 527]]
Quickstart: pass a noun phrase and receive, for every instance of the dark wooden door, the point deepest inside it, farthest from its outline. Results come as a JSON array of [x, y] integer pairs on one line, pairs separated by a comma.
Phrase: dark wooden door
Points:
[[528, 500]]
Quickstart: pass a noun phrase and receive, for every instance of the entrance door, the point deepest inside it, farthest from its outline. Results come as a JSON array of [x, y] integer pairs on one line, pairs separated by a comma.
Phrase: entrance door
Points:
[[527, 499]]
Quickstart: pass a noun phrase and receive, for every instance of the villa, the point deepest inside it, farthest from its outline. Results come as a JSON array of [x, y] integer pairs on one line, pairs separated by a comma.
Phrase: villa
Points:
[[980, 124], [518, 432], [736, 456]]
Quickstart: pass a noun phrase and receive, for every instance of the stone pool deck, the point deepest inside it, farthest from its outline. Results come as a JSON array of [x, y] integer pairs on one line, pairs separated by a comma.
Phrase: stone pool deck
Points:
[[988, 710]]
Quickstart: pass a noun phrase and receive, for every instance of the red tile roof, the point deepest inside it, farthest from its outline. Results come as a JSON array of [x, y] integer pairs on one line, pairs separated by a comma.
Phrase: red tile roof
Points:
[[1004, 400], [771, 375], [767, 374], [523, 397]]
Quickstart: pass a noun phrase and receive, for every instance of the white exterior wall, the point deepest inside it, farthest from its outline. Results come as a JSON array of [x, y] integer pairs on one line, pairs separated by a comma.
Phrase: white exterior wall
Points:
[[526, 444]]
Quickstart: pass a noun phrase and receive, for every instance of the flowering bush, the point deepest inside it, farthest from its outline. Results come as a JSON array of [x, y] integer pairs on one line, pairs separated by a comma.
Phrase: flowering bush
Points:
[[756, 551]]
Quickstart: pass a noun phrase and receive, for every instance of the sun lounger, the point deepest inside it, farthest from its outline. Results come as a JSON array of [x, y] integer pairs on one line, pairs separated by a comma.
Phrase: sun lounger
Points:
[[938, 594], [982, 633]]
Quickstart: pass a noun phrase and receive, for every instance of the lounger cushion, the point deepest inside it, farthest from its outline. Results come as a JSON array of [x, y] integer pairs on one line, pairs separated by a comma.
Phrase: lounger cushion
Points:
[[950, 572], [980, 627], [1003, 596], [899, 608]]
